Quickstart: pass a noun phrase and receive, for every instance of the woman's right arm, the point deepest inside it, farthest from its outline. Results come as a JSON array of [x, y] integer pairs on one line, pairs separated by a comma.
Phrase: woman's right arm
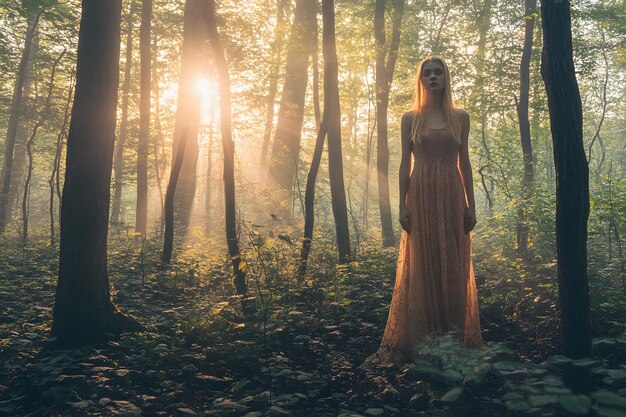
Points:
[[405, 162]]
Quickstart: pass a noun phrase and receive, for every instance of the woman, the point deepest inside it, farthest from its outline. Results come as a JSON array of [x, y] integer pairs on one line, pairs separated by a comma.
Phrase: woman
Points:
[[435, 290]]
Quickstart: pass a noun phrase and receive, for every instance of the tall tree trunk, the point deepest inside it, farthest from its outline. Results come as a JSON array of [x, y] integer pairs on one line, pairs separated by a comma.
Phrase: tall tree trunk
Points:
[[524, 127], [316, 75], [384, 77], [158, 137], [229, 156], [335, 160], [54, 179], [572, 189], [186, 127], [118, 163], [141, 217], [277, 49], [83, 311], [29, 148], [209, 170], [188, 110], [309, 195], [14, 121], [286, 146]]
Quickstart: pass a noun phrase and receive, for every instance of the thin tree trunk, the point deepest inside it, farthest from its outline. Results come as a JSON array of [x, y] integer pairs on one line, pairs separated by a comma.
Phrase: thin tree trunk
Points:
[[371, 127], [309, 196], [572, 190], [229, 157], [316, 75], [158, 137], [335, 162], [277, 49], [207, 193], [168, 209], [384, 77], [286, 146], [53, 181], [188, 110], [187, 124], [118, 163], [524, 126], [29, 148], [141, 217], [83, 311], [14, 121]]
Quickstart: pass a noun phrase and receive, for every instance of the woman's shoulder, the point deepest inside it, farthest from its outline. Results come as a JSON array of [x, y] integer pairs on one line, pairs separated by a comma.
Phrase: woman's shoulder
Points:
[[462, 115], [408, 116]]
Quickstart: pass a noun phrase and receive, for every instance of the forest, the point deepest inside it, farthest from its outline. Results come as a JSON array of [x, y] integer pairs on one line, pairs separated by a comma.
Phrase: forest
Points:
[[199, 206]]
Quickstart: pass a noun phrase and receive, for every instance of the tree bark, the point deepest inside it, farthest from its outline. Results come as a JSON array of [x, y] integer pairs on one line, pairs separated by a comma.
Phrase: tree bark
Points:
[[141, 217], [118, 163], [277, 49], [13, 123], [384, 77], [229, 156], [286, 146], [83, 311], [524, 127], [335, 160], [572, 187]]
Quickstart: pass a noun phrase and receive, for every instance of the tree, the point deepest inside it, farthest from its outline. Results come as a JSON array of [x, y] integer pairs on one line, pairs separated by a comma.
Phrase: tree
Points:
[[286, 146], [229, 155], [277, 49], [29, 147], [186, 128], [524, 127], [83, 311], [572, 184], [141, 217], [335, 160], [14, 121], [118, 163], [384, 77]]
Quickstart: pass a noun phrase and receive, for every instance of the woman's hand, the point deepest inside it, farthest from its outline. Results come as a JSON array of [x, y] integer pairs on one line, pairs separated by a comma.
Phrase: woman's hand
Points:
[[470, 219], [405, 219]]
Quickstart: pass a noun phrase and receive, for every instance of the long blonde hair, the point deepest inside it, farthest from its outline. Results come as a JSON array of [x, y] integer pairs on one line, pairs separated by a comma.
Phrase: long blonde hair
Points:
[[419, 101]]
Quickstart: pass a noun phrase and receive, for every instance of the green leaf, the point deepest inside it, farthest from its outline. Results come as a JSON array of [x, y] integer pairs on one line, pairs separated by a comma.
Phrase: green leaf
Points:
[[609, 399], [452, 395], [542, 400], [577, 404], [609, 412], [517, 405]]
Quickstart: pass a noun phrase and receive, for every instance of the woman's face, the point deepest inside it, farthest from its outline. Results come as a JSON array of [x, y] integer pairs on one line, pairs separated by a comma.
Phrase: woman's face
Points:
[[433, 76]]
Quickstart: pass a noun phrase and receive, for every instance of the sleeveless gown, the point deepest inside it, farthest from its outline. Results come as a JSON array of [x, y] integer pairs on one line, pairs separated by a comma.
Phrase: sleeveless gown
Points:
[[435, 289]]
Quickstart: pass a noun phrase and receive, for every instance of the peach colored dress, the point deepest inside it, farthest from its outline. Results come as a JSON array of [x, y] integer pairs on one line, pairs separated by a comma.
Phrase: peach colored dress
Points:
[[435, 289]]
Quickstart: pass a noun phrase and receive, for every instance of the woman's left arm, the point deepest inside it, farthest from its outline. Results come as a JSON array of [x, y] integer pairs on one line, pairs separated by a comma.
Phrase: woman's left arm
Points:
[[466, 172]]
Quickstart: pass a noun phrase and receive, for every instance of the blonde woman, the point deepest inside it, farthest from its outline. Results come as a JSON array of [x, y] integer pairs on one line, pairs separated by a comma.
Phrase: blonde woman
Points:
[[435, 290]]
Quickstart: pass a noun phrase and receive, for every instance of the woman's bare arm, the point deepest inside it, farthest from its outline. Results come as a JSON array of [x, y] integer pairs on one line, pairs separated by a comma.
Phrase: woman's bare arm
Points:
[[405, 166], [466, 169]]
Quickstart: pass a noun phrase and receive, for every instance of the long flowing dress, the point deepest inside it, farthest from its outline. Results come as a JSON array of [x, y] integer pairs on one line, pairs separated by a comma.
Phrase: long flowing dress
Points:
[[435, 289]]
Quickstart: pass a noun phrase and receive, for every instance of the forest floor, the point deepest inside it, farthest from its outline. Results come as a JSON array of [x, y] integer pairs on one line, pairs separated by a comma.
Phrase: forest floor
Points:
[[302, 352]]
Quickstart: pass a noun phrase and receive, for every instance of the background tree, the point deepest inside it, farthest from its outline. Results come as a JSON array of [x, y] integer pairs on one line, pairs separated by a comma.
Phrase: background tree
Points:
[[118, 162], [286, 146], [141, 217], [384, 77], [14, 121]]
